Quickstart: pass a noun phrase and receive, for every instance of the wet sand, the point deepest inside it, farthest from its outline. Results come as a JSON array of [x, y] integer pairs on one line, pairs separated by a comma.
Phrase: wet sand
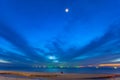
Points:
[[14, 75]]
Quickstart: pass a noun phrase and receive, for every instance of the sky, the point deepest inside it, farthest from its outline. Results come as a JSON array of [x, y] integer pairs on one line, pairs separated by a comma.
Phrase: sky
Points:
[[59, 32]]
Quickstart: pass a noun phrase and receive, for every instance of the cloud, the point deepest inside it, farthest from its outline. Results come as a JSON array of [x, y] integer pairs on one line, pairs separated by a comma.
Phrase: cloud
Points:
[[102, 50], [14, 57], [18, 41], [4, 61], [107, 43]]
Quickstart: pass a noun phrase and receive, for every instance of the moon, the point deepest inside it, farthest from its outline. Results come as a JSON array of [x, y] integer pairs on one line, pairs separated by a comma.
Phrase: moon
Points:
[[66, 10]]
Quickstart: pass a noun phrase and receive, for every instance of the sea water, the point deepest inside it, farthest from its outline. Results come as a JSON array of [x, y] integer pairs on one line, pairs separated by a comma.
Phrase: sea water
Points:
[[90, 70]]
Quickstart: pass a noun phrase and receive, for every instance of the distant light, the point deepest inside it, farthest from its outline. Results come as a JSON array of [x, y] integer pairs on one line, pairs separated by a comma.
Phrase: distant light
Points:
[[110, 65], [61, 66], [66, 10], [115, 67], [51, 57], [39, 66], [97, 67], [44, 66], [56, 61], [90, 65], [81, 66], [50, 66], [77, 66]]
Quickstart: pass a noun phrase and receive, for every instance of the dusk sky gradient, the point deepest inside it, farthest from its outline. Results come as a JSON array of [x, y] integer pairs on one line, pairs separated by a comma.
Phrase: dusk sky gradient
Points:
[[42, 32]]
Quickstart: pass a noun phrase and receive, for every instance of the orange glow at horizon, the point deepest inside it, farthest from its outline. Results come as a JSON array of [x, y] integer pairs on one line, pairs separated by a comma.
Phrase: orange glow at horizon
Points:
[[109, 65]]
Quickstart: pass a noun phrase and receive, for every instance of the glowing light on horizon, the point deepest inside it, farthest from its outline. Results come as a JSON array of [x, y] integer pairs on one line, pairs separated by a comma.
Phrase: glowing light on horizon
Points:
[[90, 65], [109, 65], [61, 66], [97, 67], [115, 67]]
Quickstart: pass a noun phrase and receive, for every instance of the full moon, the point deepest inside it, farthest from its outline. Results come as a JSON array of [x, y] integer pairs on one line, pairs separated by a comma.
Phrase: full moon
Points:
[[66, 10]]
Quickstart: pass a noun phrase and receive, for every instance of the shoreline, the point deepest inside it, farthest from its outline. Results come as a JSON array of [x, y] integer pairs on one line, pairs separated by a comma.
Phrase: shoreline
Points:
[[53, 76]]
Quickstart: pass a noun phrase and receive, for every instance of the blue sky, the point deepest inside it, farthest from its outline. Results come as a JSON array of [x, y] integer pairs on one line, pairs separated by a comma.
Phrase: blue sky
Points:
[[41, 32]]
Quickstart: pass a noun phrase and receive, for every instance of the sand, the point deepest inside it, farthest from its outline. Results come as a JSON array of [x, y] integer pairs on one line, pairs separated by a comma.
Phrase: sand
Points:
[[14, 75]]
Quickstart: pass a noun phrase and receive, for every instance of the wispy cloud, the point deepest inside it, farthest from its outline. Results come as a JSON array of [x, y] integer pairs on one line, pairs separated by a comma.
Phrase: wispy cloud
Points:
[[99, 49], [18, 41]]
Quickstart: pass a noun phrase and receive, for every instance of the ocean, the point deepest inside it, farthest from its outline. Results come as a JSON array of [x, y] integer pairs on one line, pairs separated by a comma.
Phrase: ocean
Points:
[[90, 70]]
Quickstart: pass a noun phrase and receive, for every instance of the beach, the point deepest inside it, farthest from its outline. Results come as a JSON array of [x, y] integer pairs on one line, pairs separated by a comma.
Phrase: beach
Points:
[[16, 75]]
